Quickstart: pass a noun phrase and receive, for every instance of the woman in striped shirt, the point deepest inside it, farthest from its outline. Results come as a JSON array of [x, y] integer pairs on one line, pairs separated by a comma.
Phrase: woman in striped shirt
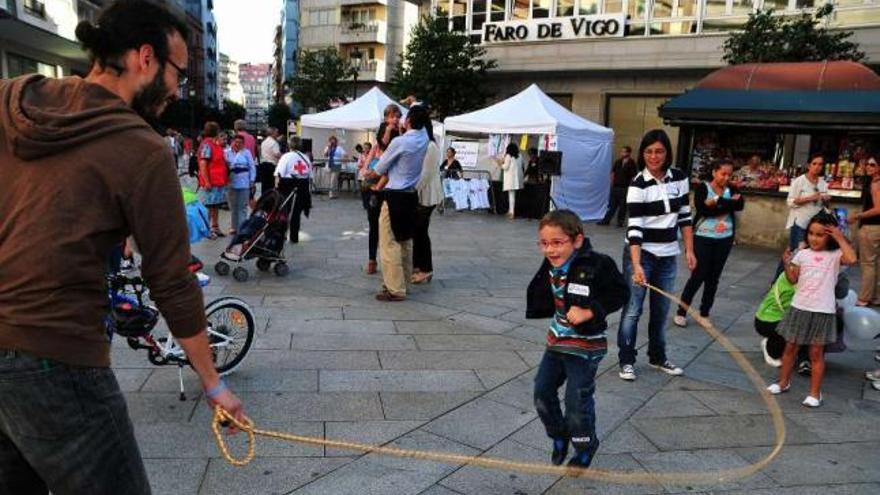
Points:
[[658, 205]]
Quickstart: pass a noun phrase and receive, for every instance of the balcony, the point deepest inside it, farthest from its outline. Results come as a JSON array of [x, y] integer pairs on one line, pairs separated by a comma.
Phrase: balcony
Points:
[[363, 2], [372, 70], [357, 33]]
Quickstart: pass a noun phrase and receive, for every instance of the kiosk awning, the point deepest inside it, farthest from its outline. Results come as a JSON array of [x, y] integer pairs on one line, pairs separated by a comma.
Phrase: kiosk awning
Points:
[[800, 109]]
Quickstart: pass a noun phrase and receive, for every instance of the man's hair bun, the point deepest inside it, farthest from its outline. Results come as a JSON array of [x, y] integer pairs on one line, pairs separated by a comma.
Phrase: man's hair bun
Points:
[[88, 35]]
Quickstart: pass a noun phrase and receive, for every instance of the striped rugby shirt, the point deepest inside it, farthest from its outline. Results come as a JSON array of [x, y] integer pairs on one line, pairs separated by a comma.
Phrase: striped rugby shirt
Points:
[[657, 209]]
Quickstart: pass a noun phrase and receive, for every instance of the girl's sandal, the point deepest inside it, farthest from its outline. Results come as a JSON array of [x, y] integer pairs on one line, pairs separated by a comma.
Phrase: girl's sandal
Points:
[[776, 389]]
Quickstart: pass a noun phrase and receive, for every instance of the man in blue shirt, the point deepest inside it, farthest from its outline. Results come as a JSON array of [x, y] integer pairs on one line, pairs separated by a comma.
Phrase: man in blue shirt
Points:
[[402, 165]]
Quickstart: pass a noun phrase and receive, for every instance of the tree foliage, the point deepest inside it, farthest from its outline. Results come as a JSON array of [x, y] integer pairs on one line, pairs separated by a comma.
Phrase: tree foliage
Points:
[[444, 68], [321, 78], [279, 114], [773, 38], [231, 112]]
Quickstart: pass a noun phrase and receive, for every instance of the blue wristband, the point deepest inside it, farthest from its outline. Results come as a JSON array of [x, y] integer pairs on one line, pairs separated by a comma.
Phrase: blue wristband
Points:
[[214, 391]]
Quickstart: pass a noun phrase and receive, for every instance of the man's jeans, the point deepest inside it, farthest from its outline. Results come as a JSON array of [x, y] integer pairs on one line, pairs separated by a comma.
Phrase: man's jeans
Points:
[[659, 272], [65, 429], [579, 422]]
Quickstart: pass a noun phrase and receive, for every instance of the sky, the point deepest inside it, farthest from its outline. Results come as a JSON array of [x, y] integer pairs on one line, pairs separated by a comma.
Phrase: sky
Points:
[[246, 28]]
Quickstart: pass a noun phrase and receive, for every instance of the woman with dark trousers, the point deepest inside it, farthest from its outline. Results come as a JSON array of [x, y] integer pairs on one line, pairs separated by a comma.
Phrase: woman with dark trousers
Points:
[[430, 195], [371, 193], [714, 229]]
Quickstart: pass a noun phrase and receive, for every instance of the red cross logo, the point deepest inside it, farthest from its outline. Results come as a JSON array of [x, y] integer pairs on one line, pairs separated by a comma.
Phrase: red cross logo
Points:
[[300, 168]]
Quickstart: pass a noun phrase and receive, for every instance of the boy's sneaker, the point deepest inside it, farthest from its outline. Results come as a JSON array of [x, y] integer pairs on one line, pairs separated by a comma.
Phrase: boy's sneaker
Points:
[[804, 368], [560, 451], [668, 368], [680, 321], [873, 376], [776, 363], [583, 458], [627, 372]]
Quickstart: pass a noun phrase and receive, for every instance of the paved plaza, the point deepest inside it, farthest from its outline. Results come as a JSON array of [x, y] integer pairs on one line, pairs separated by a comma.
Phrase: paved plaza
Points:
[[451, 369]]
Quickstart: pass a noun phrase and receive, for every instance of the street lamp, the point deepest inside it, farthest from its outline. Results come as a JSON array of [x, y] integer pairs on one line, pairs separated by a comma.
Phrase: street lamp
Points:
[[355, 56]]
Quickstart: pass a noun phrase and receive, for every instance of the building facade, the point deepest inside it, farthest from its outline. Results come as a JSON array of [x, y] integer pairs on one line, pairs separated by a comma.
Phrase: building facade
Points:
[[38, 37], [289, 38], [206, 55], [370, 33], [256, 80], [230, 83], [615, 61]]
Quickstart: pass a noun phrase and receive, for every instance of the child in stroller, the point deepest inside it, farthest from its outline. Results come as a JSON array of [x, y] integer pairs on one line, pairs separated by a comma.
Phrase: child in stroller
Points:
[[261, 236]]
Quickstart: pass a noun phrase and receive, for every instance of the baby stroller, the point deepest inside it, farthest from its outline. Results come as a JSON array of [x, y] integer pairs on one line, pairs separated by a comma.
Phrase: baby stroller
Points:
[[261, 236]]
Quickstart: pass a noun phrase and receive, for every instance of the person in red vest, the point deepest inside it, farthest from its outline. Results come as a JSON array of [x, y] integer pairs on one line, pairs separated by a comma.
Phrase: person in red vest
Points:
[[213, 175]]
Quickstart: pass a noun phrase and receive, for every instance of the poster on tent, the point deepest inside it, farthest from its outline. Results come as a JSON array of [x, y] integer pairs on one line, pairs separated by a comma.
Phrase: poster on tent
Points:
[[466, 152], [498, 144], [547, 143]]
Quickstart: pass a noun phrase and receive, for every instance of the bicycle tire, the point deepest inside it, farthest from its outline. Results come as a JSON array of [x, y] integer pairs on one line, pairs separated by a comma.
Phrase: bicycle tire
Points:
[[214, 308]]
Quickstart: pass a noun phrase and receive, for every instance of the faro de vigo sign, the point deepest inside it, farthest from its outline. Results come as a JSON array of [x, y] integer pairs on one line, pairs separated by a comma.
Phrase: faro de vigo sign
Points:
[[588, 26]]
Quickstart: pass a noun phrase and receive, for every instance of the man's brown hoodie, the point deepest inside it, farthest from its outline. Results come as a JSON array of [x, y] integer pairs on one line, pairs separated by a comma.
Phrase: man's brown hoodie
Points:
[[80, 171]]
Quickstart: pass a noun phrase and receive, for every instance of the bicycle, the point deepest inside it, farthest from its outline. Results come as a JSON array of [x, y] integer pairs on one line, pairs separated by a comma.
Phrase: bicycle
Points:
[[231, 325]]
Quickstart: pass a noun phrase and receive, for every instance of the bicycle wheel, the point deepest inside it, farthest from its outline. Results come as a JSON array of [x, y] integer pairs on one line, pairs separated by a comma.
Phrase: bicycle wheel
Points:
[[231, 328]]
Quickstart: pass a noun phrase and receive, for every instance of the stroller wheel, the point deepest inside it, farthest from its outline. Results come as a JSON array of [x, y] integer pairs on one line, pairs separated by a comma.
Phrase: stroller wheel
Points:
[[281, 269], [240, 274], [222, 268], [264, 265]]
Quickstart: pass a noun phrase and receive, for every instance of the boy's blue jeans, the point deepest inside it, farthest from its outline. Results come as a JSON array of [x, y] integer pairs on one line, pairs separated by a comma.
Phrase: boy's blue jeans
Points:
[[579, 374], [659, 272]]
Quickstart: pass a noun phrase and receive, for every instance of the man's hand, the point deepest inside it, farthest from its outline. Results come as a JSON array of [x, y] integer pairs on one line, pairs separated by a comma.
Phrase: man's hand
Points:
[[577, 315], [231, 404]]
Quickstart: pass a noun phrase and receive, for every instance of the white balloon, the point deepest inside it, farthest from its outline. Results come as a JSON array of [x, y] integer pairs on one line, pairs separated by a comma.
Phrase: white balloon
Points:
[[861, 322], [848, 301]]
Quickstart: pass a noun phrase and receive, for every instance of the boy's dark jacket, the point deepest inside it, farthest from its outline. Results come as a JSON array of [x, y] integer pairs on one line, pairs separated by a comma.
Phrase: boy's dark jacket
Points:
[[608, 291]]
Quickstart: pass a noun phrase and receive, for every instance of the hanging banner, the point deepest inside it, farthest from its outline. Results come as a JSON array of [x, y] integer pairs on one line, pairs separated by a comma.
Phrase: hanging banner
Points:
[[554, 29], [466, 152]]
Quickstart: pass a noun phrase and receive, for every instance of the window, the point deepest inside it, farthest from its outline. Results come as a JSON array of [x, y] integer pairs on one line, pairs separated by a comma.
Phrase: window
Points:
[[498, 10], [662, 8], [478, 18], [589, 7], [611, 6], [19, 66], [540, 9], [564, 8], [35, 8], [322, 17], [459, 15]]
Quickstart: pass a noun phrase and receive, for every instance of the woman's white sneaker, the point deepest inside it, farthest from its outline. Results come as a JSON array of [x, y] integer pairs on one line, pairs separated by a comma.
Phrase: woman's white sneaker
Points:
[[811, 401], [627, 372], [680, 321]]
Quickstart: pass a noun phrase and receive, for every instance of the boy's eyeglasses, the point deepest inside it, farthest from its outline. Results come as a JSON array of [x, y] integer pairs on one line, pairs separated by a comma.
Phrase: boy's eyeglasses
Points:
[[553, 244]]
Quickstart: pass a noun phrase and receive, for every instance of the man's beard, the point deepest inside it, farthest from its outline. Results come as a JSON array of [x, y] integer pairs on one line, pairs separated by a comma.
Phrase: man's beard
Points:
[[148, 102]]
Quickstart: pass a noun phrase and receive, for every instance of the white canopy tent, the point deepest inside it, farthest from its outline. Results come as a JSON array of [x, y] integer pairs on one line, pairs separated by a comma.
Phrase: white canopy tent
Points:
[[364, 113], [586, 146]]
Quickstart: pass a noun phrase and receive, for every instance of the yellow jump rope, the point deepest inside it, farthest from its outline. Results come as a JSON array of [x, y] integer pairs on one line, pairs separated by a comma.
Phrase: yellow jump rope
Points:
[[221, 418]]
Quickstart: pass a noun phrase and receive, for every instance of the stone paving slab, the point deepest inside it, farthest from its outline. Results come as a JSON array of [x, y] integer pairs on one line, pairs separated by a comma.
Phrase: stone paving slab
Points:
[[472, 480], [268, 476], [616, 462], [822, 464], [366, 432], [171, 476], [333, 342], [302, 406], [715, 432], [312, 360], [400, 381], [701, 461], [451, 360], [422, 405], [481, 423]]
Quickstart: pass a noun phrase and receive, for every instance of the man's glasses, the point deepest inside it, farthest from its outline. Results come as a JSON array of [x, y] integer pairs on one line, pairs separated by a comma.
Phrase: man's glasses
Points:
[[182, 78]]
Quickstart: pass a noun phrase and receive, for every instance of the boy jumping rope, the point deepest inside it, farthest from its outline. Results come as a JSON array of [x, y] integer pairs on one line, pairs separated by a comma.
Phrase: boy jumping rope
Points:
[[578, 288]]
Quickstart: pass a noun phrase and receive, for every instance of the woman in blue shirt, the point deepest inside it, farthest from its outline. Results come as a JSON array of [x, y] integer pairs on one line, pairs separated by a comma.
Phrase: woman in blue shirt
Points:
[[242, 176]]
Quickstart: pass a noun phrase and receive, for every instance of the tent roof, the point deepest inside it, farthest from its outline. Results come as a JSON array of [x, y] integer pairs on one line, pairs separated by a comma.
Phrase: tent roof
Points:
[[529, 112], [364, 113]]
